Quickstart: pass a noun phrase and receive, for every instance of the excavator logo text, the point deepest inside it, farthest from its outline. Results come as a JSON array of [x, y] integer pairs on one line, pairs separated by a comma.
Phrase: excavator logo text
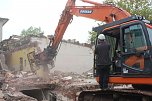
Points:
[[86, 11]]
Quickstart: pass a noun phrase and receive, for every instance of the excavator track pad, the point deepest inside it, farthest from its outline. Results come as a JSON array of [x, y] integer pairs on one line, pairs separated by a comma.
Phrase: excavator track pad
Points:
[[115, 95]]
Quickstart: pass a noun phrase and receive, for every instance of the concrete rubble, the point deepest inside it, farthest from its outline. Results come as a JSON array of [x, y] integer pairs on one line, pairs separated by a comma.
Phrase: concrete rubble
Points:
[[71, 84], [64, 86]]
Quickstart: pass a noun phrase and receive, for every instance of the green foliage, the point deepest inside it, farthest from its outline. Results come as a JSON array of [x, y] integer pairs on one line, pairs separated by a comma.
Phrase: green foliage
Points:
[[138, 7], [31, 31], [92, 37]]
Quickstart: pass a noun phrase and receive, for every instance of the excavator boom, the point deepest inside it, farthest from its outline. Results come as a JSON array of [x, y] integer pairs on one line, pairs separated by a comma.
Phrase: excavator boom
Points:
[[105, 13], [63, 23], [100, 12]]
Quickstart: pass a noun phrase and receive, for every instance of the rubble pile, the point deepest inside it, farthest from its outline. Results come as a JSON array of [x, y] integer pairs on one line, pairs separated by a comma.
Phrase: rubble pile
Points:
[[8, 93], [17, 96], [69, 85], [65, 86], [15, 83], [23, 81]]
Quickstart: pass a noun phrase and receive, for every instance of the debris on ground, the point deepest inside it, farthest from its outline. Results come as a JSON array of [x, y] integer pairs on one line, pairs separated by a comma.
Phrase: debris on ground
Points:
[[65, 86], [69, 85]]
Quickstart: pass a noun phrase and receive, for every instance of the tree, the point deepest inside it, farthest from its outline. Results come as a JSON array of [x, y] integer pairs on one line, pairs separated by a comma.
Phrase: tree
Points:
[[92, 37], [134, 7], [32, 31]]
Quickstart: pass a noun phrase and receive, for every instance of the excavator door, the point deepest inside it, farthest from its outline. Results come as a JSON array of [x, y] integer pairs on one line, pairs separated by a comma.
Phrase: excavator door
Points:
[[136, 50]]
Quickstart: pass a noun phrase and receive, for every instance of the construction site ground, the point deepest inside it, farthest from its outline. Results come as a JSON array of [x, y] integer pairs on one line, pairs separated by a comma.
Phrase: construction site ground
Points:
[[65, 86], [71, 75]]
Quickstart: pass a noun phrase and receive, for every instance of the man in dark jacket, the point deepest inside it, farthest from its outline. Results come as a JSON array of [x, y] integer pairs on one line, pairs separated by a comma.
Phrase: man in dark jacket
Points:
[[103, 61]]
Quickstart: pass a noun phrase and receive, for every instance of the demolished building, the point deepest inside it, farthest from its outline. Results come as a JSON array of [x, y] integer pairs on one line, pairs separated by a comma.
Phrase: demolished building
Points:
[[20, 82], [15, 52], [16, 49]]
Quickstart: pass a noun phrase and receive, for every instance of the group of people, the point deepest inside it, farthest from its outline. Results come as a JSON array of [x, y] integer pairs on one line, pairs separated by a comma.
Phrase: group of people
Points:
[[103, 61]]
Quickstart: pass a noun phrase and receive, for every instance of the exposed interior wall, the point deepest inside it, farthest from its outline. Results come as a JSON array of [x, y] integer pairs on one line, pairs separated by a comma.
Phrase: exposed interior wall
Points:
[[18, 60]]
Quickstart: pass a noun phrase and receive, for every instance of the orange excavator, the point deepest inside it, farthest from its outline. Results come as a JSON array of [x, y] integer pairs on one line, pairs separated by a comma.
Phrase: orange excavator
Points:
[[100, 12], [131, 52]]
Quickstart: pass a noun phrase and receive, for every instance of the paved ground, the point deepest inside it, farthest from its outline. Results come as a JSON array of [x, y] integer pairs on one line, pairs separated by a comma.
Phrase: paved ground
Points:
[[74, 58]]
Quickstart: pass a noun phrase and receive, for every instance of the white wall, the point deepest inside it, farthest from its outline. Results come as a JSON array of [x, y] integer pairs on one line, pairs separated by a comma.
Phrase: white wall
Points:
[[74, 58], [2, 22]]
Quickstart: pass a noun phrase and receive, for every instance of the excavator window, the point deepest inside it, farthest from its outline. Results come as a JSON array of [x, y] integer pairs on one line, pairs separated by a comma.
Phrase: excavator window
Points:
[[134, 38], [134, 47]]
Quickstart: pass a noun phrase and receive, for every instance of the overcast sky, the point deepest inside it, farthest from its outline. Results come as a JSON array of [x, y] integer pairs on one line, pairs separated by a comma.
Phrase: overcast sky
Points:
[[45, 14]]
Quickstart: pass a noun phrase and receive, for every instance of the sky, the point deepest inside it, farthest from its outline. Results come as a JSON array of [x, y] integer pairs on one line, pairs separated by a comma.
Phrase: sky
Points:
[[45, 14]]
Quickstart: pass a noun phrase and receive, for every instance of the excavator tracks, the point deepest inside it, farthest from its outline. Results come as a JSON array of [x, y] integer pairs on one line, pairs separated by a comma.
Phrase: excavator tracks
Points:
[[115, 95]]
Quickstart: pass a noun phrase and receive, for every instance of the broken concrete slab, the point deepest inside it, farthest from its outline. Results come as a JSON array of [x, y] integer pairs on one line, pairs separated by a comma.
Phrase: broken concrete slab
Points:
[[60, 85]]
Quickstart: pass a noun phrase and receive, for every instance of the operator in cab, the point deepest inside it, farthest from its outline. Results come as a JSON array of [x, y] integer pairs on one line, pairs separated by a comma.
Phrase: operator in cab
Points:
[[103, 61]]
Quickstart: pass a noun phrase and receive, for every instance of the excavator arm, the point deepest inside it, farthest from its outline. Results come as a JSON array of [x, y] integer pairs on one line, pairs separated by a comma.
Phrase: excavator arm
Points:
[[101, 12], [63, 23]]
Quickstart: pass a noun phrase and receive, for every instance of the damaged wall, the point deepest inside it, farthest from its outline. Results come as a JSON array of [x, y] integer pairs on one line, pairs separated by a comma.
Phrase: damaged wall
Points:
[[17, 48], [2, 22], [18, 60], [74, 58]]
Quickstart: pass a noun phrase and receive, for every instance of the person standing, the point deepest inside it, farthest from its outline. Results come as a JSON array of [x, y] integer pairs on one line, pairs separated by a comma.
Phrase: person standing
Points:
[[103, 61]]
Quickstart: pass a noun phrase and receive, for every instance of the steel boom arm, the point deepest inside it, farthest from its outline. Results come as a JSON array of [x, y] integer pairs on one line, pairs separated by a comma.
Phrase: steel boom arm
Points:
[[101, 12]]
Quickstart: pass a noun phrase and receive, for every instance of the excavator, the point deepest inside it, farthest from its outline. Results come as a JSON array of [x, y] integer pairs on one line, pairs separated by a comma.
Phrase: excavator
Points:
[[131, 52]]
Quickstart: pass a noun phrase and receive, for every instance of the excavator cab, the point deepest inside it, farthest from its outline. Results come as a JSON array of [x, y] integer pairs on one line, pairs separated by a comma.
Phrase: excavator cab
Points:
[[135, 50], [131, 51]]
